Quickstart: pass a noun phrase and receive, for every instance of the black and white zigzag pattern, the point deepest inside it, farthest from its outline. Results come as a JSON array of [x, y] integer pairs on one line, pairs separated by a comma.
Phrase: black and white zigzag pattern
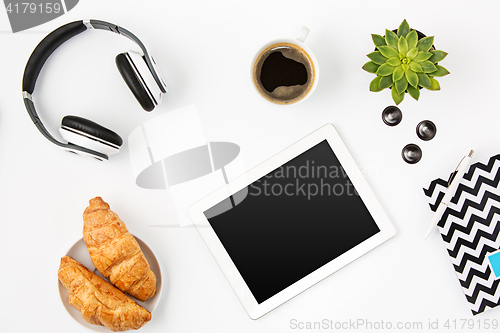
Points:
[[470, 229]]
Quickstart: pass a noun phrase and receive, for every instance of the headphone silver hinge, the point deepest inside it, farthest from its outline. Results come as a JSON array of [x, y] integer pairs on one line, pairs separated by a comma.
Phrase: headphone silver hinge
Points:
[[115, 29], [88, 24], [27, 95]]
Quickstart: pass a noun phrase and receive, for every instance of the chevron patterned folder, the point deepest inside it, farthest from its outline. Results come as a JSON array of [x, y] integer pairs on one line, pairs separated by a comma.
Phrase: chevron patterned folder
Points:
[[470, 229]]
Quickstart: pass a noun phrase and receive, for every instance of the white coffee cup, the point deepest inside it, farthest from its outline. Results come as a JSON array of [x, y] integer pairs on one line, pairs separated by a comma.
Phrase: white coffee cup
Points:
[[279, 95]]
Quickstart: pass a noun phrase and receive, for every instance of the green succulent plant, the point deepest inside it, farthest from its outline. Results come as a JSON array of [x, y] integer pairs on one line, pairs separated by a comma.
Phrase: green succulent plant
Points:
[[404, 63]]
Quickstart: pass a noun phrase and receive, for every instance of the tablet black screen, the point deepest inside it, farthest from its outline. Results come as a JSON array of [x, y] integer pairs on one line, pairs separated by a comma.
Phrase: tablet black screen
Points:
[[292, 221]]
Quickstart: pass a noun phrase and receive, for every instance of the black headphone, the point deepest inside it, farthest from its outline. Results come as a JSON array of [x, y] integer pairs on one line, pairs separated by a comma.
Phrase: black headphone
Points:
[[86, 137]]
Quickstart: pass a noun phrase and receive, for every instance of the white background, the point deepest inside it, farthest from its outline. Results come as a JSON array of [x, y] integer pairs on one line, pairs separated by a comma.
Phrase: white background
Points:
[[205, 50]]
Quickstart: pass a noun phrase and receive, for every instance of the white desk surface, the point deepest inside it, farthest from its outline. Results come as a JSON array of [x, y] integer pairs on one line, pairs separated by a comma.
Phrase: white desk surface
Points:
[[205, 49]]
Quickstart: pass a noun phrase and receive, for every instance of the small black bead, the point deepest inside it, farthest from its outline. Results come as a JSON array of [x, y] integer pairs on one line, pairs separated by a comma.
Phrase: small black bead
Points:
[[426, 130], [411, 153], [392, 115]]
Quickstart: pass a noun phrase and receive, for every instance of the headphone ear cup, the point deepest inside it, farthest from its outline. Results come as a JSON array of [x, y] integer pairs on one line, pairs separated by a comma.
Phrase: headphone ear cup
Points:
[[130, 74], [86, 133]]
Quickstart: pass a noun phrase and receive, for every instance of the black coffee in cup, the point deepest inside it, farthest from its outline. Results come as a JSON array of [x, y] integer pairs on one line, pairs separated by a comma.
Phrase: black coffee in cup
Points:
[[283, 73]]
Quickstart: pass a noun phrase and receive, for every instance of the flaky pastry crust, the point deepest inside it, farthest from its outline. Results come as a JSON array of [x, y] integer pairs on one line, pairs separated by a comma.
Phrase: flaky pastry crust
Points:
[[98, 301], [115, 252]]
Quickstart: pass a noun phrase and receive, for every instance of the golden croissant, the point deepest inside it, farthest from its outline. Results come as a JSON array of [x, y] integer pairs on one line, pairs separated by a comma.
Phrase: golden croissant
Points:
[[98, 301], [115, 252]]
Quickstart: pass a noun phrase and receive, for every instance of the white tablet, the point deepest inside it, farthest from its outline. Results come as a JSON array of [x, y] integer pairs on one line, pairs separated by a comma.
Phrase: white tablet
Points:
[[291, 221]]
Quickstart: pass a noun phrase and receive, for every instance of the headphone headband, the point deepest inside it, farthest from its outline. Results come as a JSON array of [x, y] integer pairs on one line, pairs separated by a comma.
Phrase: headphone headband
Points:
[[45, 48]]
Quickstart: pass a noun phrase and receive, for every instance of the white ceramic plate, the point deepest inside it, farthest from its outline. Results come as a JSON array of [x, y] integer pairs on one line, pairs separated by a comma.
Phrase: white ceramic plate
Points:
[[80, 253]]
